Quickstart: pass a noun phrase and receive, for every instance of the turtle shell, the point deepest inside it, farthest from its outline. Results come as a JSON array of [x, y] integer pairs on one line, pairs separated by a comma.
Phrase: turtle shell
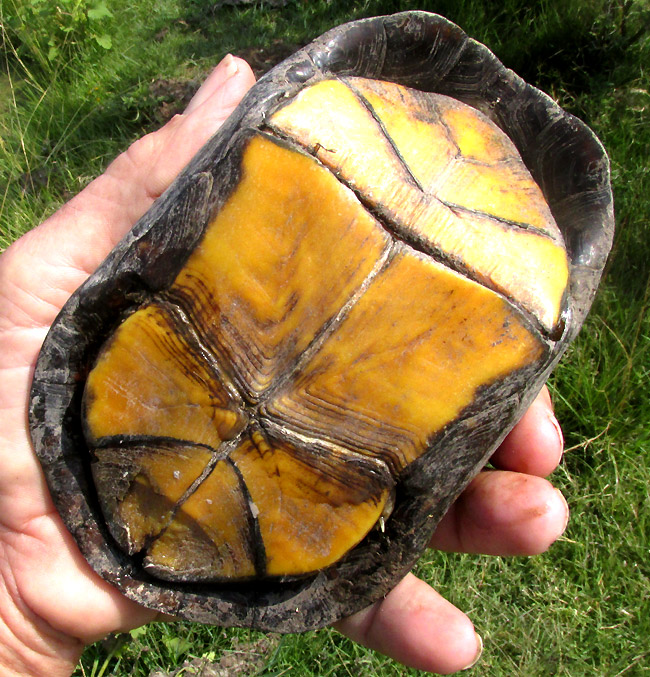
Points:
[[258, 408]]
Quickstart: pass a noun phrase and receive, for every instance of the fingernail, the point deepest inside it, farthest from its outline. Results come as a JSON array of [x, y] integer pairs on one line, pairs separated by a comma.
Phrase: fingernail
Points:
[[567, 511], [217, 81], [230, 65], [544, 406], [479, 653], [560, 438], [558, 430]]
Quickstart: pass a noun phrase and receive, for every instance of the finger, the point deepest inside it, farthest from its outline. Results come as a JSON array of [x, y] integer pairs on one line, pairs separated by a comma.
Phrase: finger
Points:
[[73, 242], [414, 625], [42, 551], [184, 135], [535, 444], [227, 68], [111, 204], [504, 513]]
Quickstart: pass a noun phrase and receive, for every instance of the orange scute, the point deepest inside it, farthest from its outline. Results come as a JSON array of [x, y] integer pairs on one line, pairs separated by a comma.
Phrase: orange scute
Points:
[[404, 153], [382, 263]]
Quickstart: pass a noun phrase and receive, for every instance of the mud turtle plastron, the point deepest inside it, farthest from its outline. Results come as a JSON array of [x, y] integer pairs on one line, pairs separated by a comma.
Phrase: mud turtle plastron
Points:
[[258, 408]]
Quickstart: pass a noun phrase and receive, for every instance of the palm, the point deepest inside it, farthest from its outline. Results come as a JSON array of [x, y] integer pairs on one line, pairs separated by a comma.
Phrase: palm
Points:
[[34, 544], [37, 553]]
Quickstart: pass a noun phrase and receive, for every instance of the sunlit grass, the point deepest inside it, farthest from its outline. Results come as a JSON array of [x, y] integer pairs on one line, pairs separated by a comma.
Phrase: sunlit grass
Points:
[[580, 609]]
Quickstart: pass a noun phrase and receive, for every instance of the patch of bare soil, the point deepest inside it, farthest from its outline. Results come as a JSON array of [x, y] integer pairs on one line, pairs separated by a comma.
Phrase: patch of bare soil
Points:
[[243, 660], [262, 59], [173, 95], [237, 3]]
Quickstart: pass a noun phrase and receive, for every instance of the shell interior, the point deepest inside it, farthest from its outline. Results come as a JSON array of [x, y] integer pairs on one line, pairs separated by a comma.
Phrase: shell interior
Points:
[[384, 257]]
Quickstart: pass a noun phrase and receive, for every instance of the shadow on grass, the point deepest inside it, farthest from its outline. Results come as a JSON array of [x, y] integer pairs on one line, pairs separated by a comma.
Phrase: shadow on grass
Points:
[[568, 49]]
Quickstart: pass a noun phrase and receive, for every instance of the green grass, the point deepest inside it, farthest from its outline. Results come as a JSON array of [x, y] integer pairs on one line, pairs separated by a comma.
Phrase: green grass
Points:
[[580, 609]]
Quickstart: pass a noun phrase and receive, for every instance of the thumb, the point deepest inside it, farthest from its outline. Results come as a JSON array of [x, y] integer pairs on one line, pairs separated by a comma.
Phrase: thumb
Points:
[[69, 246], [165, 152], [146, 169]]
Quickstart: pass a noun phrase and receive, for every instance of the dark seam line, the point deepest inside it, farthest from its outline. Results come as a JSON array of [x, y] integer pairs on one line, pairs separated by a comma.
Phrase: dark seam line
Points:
[[220, 455], [280, 429], [130, 441], [421, 246], [330, 325], [452, 206], [368, 107], [383, 220], [255, 540], [455, 207], [450, 134], [411, 241], [512, 225], [174, 300]]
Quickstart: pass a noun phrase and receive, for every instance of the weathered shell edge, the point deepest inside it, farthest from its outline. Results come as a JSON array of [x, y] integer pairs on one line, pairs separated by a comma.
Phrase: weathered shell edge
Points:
[[412, 48]]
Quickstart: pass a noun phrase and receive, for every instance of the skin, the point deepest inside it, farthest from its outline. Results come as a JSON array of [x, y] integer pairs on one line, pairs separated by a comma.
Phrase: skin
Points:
[[511, 510]]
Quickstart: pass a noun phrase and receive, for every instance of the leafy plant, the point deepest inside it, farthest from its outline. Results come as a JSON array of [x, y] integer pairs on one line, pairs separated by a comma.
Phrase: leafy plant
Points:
[[579, 610], [48, 32]]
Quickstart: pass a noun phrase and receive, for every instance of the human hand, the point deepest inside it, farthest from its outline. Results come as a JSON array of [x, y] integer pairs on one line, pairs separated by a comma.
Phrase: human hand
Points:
[[512, 510], [509, 511]]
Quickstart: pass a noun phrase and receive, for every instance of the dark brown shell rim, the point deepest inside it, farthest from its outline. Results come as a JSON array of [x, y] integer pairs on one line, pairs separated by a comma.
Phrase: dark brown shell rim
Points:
[[415, 49]]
